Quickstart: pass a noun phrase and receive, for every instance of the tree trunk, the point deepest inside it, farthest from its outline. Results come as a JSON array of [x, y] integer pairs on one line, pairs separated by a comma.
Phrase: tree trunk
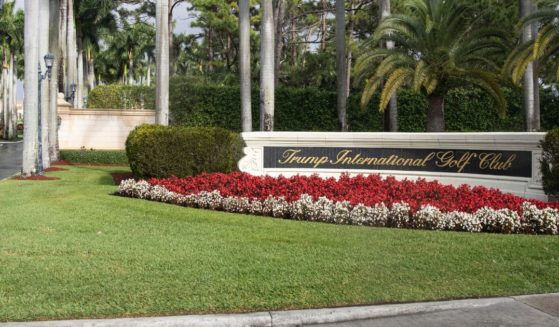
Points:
[[391, 111], [323, 27], [528, 79], [81, 81], [341, 65], [4, 100], [63, 46], [244, 65], [267, 87], [172, 68], [162, 63], [435, 113], [44, 105], [72, 51], [31, 82], [537, 119], [12, 95], [54, 47], [349, 42], [148, 77], [279, 17], [293, 39], [210, 37]]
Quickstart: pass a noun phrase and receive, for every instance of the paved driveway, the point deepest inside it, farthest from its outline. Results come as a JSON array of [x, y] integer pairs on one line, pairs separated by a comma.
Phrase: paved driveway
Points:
[[10, 158]]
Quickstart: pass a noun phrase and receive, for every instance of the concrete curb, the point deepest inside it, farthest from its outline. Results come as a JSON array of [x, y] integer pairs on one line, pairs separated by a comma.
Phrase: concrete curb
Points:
[[6, 178], [10, 142], [285, 318]]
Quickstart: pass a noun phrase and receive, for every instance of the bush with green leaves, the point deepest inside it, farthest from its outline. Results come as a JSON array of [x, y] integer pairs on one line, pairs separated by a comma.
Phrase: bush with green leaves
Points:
[[163, 151], [550, 163], [120, 96], [312, 109], [116, 157]]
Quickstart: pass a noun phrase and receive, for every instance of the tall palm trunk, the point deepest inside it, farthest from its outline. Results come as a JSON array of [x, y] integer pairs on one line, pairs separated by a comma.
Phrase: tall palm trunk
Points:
[[244, 65], [435, 113], [279, 16], [44, 105], [72, 50], [391, 112], [54, 48], [63, 46], [30, 112], [529, 84], [267, 87], [12, 121], [4, 92], [162, 62], [81, 81], [341, 78]]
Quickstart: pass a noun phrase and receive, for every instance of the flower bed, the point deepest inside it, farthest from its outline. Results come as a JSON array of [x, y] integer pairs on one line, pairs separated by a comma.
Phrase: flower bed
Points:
[[362, 200]]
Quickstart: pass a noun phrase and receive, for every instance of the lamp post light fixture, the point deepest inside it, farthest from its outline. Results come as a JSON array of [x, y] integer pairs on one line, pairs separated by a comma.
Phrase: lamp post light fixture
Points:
[[49, 61]]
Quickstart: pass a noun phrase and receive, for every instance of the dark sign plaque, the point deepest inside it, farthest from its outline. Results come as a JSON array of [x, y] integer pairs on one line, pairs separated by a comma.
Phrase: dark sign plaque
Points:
[[486, 162]]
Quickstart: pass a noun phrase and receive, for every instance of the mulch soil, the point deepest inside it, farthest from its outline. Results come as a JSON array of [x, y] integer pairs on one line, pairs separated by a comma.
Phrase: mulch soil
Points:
[[120, 176]]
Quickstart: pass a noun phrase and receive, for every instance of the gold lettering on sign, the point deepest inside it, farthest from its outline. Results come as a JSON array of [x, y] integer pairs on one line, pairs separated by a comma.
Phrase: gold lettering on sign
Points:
[[442, 158], [447, 159], [494, 161], [290, 156]]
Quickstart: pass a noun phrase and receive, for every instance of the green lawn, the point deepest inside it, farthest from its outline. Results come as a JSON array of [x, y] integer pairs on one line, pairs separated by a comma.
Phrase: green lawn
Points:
[[70, 249]]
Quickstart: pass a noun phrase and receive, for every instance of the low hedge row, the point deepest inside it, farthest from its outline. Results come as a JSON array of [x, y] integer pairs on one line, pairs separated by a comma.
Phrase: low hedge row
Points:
[[95, 156], [162, 151], [310, 109], [120, 96]]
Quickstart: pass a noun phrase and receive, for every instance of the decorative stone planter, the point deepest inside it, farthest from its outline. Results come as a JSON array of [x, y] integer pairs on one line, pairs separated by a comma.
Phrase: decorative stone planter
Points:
[[507, 161]]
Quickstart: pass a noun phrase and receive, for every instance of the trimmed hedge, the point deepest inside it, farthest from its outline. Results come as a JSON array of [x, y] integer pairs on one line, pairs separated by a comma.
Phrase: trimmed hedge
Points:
[[310, 109], [119, 96], [163, 151], [550, 163], [95, 156]]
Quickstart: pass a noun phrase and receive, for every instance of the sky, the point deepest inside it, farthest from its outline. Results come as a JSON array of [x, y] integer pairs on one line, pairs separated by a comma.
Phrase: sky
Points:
[[180, 15]]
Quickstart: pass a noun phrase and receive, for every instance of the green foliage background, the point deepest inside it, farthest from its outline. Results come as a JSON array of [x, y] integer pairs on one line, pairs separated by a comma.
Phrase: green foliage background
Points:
[[311, 109]]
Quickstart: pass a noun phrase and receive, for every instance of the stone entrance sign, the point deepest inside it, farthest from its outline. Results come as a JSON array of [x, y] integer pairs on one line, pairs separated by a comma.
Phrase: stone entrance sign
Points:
[[508, 161]]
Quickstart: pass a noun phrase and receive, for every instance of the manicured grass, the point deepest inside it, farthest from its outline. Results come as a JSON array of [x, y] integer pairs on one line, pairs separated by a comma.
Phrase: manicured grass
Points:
[[69, 249]]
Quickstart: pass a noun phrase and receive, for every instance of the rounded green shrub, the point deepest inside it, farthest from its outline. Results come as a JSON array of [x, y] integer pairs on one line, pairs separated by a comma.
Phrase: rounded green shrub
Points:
[[550, 162], [164, 151]]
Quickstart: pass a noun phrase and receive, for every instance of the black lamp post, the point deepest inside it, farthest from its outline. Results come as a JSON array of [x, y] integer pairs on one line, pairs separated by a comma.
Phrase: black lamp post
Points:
[[49, 61]]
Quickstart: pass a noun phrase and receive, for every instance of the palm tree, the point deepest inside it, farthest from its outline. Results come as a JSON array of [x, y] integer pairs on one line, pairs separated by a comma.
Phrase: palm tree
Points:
[[341, 65], [54, 48], [244, 65], [162, 62], [544, 47], [391, 112], [31, 80], [439, 48], [267, 61]]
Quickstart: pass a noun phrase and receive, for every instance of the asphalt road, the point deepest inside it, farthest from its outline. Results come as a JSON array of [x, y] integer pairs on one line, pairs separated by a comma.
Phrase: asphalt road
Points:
[[10, 158]]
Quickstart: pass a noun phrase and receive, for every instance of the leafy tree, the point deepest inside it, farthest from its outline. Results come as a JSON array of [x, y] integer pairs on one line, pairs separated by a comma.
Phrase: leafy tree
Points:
[[440, 46]]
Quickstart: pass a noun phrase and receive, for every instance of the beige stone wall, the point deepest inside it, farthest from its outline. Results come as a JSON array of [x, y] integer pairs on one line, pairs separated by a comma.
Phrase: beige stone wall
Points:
[[105, 129]]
